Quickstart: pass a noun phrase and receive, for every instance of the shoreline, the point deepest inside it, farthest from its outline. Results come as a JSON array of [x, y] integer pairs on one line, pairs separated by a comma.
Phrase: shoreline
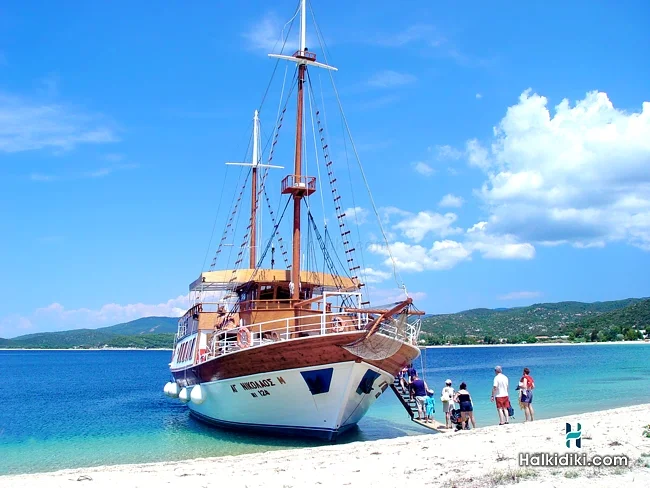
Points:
[[486, 456], [540, 344], [447, 346]]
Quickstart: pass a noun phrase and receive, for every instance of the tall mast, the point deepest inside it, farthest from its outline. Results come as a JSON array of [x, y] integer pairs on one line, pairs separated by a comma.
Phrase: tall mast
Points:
[[299, 185], [297, 196], [256, 160], [255, 164]]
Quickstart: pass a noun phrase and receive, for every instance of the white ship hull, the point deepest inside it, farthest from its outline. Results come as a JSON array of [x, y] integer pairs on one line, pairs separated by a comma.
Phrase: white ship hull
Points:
[[320, 401]]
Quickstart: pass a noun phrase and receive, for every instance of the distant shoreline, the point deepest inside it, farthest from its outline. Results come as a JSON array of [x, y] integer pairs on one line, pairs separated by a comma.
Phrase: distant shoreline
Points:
[[449, 346], [539, 344], [89, 349]]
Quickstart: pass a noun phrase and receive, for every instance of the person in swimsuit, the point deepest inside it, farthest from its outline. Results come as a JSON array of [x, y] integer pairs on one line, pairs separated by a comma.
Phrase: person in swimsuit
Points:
[[464, 399], [526, 385]]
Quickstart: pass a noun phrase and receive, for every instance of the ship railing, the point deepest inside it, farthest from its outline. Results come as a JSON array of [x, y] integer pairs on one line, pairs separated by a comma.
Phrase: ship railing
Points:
[[413, 330], [279, 330]]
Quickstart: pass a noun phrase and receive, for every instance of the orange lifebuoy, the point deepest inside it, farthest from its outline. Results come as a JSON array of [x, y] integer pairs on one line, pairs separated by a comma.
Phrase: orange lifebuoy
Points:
[[244, 338]]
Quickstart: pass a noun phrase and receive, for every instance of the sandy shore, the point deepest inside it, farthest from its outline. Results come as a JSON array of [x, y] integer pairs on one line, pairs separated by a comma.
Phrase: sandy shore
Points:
[[479, 458]]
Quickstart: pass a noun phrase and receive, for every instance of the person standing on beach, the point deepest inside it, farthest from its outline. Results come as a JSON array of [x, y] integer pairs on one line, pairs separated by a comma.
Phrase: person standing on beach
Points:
[[526, 385], [447, 399], [500, 394], [464, 400]]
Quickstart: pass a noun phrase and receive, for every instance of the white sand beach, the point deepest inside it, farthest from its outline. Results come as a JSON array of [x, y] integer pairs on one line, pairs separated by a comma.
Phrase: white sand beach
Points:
[[480, 458]]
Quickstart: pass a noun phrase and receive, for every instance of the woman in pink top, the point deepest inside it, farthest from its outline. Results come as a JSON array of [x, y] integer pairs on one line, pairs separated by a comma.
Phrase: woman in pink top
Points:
[[526, 385]]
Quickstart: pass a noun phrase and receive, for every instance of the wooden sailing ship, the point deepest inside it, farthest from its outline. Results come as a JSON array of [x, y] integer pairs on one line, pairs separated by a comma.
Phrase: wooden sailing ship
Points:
[[293, 351]]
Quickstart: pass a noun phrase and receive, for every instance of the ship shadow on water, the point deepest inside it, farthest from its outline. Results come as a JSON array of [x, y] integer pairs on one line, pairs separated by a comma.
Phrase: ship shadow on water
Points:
[[180, 420]]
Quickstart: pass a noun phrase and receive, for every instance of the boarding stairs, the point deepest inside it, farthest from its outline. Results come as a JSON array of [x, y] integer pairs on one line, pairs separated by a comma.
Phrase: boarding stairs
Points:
[[410, 406]]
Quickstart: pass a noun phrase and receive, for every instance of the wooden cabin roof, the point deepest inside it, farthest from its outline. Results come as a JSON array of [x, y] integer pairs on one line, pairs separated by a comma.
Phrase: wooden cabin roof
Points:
[[226, 278]]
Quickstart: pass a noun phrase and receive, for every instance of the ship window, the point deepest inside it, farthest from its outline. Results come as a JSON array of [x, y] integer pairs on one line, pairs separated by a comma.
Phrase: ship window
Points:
[[318, 381], [266, 292], [365, 385]]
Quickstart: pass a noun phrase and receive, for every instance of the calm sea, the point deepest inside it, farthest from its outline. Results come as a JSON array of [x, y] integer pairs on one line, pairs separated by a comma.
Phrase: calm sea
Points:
[[66, 409]]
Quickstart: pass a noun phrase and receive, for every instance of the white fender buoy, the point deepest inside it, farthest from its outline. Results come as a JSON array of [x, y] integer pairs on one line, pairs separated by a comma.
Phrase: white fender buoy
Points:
[[166, 388], [184, 395], [197, 395], [172, 390]]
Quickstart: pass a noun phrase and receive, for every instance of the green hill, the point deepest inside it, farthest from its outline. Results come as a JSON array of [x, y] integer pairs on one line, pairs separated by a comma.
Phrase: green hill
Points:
[[522, 323], [145, 325], [622, 324], [147, 332]]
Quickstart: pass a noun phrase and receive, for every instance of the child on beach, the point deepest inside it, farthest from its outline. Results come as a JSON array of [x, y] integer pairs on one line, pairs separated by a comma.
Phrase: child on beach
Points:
[[430, 407]]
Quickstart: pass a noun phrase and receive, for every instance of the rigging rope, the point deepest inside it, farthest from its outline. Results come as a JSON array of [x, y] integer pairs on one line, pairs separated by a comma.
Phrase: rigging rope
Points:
[[340, 214], [398, 279]]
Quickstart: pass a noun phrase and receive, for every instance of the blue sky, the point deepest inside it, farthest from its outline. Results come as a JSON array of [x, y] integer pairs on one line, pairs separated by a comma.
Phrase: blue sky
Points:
[[507, 148]]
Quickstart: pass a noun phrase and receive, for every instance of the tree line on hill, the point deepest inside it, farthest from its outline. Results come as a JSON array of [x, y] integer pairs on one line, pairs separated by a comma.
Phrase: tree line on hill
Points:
[[566, 321]]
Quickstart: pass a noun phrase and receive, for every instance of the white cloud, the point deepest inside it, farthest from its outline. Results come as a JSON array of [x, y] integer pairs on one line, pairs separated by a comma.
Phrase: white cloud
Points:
[[577, 176], [97, 173], [356, 214], [450, 200], [413, 257], [479, 96], [497, 246], [417, 226], [375, 275], [423, 168], [56, 317], [477, 155], [446, 153], [390, 79], [269, 33], [384, 296], [26, 125], [520, 295], [444, 253]]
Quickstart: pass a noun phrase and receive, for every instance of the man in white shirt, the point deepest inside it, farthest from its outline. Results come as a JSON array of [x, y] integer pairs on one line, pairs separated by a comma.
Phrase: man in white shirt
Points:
[[500, 394]]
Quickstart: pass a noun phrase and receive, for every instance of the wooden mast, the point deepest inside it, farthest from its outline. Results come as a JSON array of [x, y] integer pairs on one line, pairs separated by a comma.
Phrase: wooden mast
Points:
[[255, 166], [297, 184]]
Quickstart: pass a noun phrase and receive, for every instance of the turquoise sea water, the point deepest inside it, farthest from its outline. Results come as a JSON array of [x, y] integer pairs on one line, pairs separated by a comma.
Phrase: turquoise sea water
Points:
[[66, 409]]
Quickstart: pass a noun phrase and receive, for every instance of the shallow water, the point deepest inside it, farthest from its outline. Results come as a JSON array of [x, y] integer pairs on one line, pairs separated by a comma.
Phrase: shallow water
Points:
[[65, 409]]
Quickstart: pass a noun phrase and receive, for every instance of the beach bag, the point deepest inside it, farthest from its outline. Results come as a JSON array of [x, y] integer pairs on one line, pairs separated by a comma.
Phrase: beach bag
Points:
[[511, 411], [445, 397]]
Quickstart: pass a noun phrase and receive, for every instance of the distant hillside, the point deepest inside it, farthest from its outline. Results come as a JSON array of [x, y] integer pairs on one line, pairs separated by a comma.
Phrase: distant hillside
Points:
[[145, 325], [522, 323], [147, 332], [622, 324]]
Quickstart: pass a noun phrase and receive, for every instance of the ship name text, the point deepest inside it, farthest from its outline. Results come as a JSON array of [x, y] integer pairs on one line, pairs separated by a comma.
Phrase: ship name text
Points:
[[258, 388]]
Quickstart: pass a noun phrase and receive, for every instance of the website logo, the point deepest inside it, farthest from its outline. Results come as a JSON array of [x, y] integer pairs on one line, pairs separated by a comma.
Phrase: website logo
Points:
[[576, 435]]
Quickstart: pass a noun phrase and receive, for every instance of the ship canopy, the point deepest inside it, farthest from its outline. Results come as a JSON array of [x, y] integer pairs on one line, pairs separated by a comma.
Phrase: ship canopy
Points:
[[229, 279]]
